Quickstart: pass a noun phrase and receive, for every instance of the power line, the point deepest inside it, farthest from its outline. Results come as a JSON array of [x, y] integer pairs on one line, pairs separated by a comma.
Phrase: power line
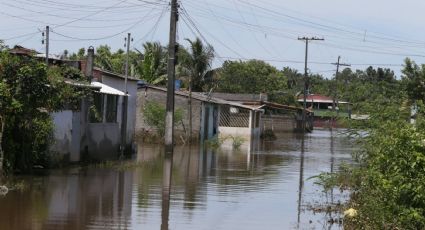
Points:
[[105, 37]]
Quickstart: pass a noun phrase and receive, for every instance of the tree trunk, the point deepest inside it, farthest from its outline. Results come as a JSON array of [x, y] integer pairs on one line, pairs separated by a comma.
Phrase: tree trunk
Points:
[[2, 123]]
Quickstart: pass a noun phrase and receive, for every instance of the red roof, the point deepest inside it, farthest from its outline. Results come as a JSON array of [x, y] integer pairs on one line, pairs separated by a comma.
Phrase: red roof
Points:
[[319, 99], [316, 97]]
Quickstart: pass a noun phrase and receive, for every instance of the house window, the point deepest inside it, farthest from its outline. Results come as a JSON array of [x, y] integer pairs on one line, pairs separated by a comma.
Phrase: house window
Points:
[[111, 108], [96, 109]]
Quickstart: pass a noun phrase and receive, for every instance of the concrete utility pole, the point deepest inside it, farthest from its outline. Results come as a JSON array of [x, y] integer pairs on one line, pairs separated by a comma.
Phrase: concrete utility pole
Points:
[[128, 40], [125, 99], [47, 45], [169, 117], [335, 90], [306, 80]]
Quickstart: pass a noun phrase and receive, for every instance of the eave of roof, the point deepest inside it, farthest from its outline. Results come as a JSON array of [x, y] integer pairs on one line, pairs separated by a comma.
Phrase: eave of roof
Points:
[[112, 74], [106, 89], [204, 98]]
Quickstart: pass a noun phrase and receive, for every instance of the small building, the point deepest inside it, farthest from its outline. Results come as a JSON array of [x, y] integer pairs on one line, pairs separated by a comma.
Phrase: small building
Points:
[[100, 125], [274, 116], [210, 116], [117, 81], [322, 107], [103, 125], [92, 130]]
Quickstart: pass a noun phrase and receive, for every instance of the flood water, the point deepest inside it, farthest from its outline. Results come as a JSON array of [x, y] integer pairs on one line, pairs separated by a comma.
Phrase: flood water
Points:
[[263, 186]]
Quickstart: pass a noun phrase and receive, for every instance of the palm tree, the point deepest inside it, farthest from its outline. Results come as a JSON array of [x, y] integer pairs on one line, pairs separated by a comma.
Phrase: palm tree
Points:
[[196, 60], [154, 65], [197, 63]]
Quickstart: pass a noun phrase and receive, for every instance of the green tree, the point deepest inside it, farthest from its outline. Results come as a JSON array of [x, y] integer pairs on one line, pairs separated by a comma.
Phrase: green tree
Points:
[[252, 76], [112, 61], [81, 54], [196, 63], [414, 80], [28, 94], [154, 64]]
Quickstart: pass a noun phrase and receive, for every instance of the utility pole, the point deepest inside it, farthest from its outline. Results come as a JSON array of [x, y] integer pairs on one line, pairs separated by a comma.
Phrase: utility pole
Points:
[[335, 90], [306, 80], [128, 40], [169, 117], [47, 45], [125, 99]]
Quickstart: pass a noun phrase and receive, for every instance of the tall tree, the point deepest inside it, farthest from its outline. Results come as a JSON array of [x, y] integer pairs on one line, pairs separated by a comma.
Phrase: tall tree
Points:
[[251, 76], [28, 92], [154, 64], [414, 80], [197, 61]]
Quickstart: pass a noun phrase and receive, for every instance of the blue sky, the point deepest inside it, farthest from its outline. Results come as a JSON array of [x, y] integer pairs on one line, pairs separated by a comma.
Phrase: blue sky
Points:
[[379, 33]]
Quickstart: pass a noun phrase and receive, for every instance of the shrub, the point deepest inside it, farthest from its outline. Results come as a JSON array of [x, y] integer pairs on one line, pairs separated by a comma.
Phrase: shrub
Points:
[[155, 116]]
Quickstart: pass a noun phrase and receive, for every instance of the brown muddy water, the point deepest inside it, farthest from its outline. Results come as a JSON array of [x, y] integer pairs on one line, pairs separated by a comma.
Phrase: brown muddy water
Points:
[[263, 186]]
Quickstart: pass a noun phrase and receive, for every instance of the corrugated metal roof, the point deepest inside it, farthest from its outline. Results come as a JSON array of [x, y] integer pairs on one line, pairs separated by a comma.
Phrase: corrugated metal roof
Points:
[[205, 98], [112, 74], [107, 89], [241, 97], [319, 99]]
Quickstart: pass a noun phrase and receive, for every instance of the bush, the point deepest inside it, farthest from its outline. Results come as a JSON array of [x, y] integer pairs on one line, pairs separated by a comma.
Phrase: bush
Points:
[[155, 116]]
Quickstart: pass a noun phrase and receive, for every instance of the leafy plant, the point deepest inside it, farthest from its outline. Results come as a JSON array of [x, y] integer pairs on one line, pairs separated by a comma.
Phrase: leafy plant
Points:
[[29, 92], [154, 115], [215, 142], [237, 141]]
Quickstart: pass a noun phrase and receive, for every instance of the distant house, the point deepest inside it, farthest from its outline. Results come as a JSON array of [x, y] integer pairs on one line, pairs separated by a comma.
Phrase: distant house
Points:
[[274, 116], [210, 116], [322, 106]]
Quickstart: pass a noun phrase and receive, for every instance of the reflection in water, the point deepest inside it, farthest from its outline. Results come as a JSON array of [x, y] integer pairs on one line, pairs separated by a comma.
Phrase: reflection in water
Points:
[[260, 186], [301, 181], [166, 189]]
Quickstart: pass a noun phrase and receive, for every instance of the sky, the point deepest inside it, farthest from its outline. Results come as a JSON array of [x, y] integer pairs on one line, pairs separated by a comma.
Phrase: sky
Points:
[[379, 33]]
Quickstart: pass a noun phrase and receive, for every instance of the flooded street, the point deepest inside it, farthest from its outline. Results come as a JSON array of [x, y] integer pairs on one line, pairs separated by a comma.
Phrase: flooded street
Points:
[[263, 186]]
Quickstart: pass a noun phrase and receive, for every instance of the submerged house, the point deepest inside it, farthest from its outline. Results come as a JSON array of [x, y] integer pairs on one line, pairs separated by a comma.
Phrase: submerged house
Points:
[[92, 130], [102, 126], [322, 107], [210, 116], [273, 116]]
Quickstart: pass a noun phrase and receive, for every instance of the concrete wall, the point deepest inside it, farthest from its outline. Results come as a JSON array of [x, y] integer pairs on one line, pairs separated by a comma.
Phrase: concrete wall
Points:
[[145, 95], [279, 123], [67, 134], [250, 133], [234, 131], [62, 132], [103, 140], [119, 83]]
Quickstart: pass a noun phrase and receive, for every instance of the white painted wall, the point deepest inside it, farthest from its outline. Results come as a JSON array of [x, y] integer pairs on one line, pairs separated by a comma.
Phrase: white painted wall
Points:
[[62, 132], [119, 83]]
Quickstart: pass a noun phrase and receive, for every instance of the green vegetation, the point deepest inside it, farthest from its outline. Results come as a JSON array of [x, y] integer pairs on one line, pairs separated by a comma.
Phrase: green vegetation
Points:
[[155, 116], [388, 181], [215, 142], [237, 141], [252, 76], [29, 92], [195, 64]]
